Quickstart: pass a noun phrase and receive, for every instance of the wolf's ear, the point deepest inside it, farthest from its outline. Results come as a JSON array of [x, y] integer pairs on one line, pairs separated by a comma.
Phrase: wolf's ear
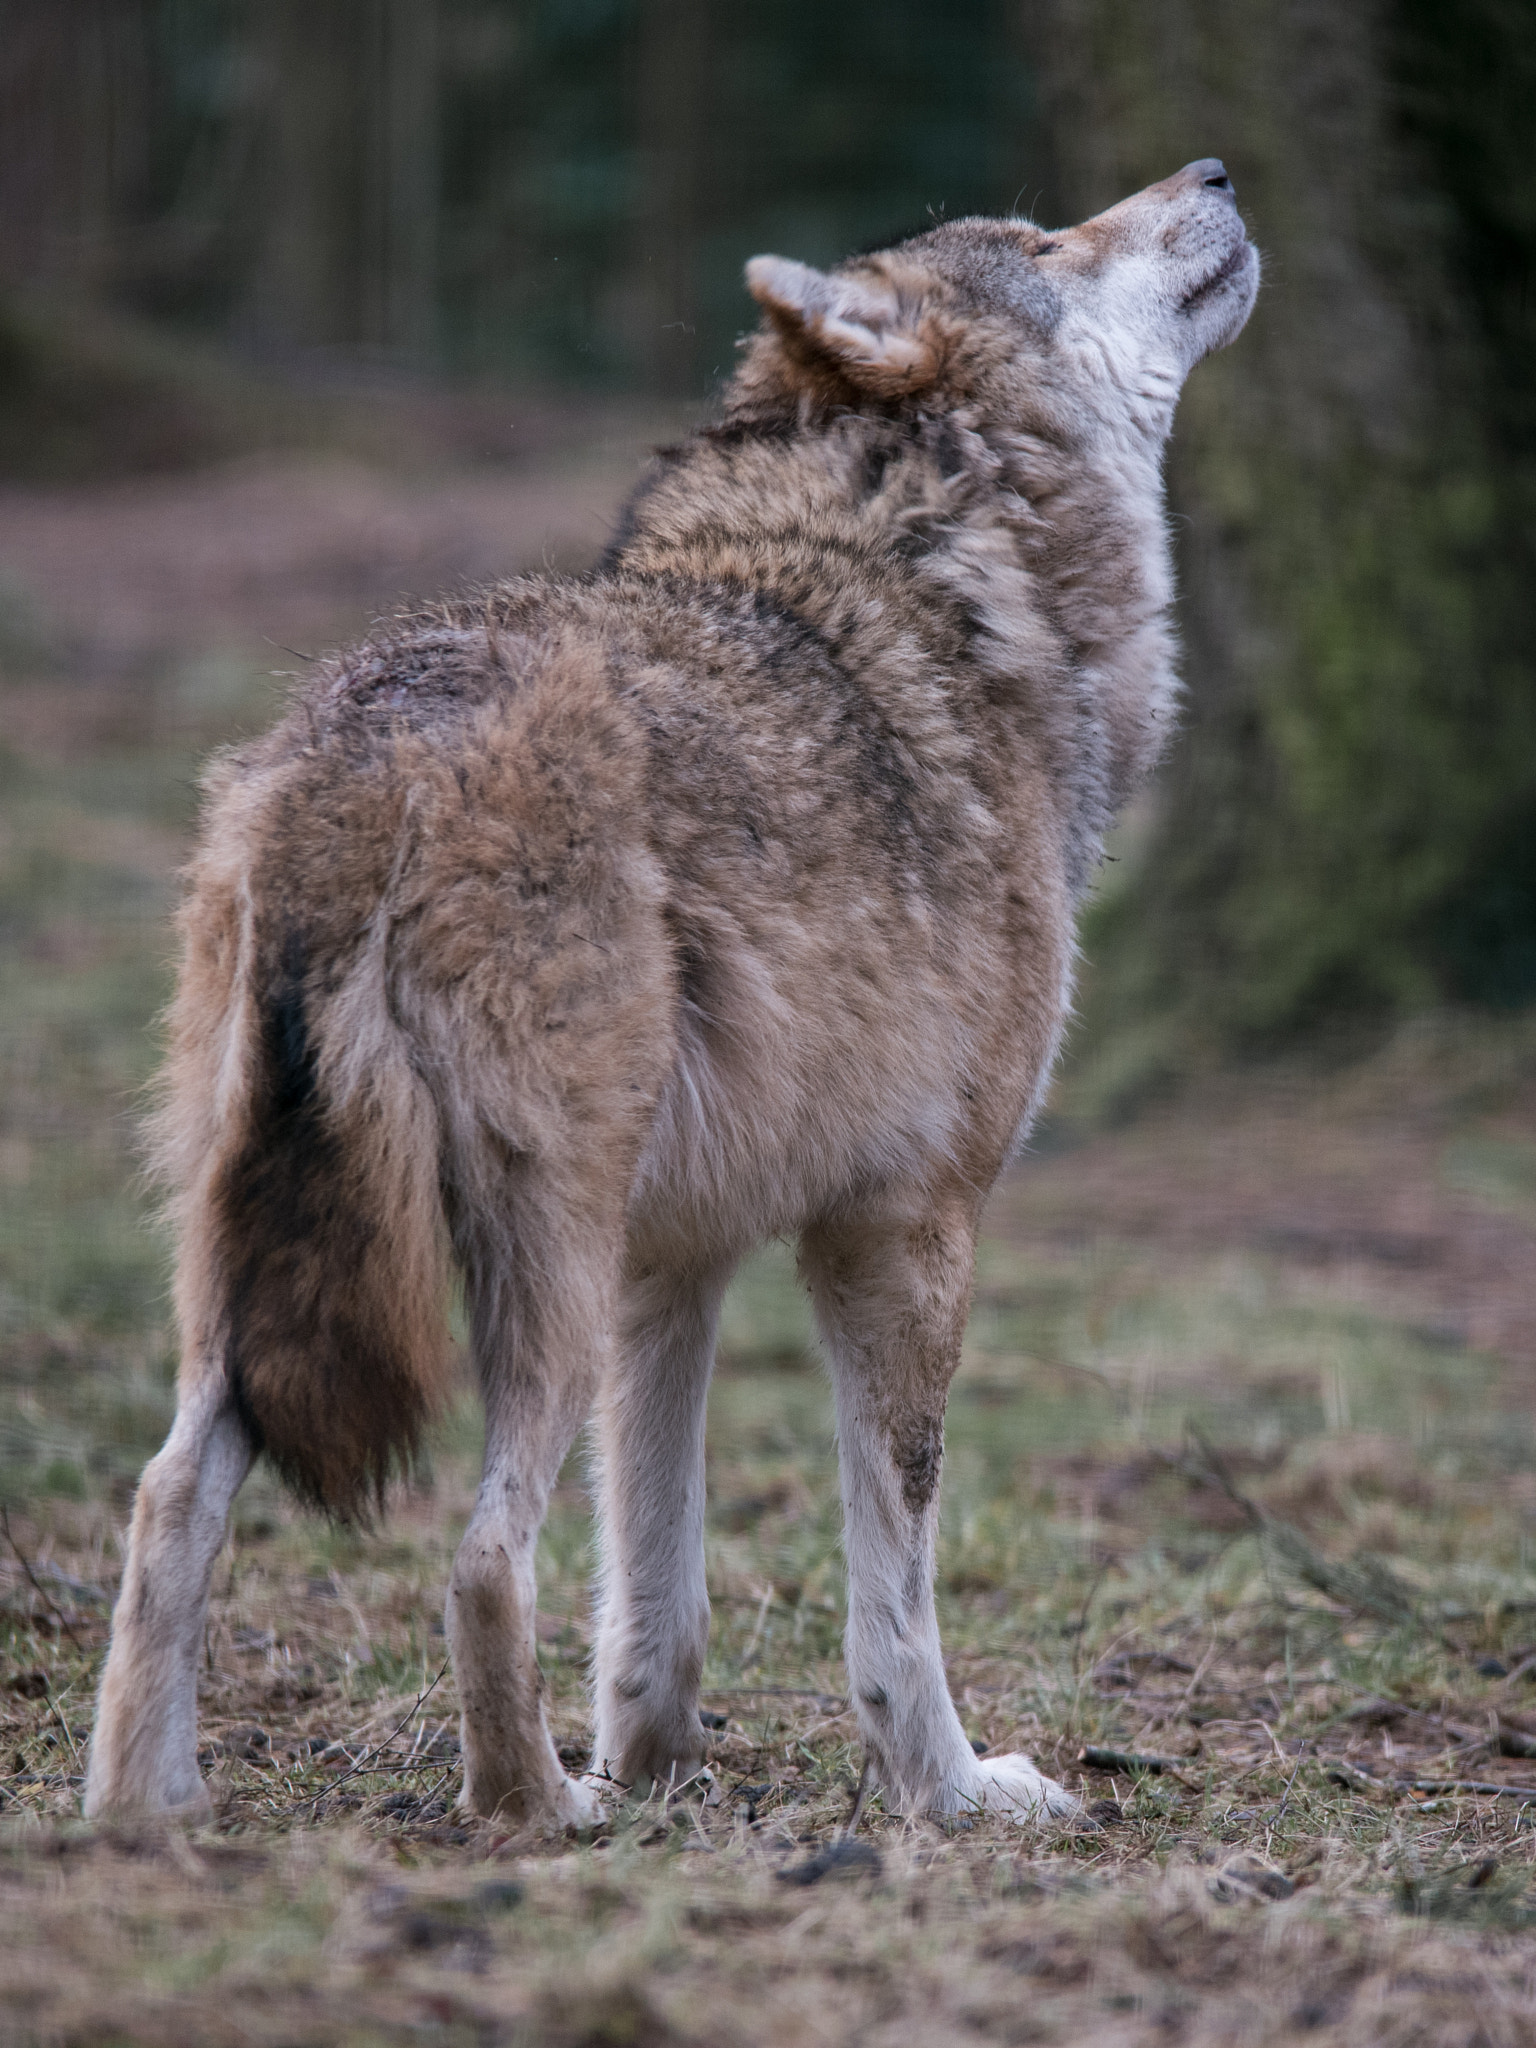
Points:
[[857, 325]]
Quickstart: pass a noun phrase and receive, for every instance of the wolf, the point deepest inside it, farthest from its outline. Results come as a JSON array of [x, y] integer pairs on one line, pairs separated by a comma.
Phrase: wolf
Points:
[[581, 934]]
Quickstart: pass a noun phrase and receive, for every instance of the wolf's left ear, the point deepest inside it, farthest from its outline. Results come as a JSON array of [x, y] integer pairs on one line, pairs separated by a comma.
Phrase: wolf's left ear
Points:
[[855, 324]]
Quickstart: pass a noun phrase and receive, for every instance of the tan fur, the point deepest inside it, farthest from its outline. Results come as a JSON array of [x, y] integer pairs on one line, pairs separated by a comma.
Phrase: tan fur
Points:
[[584, 934]]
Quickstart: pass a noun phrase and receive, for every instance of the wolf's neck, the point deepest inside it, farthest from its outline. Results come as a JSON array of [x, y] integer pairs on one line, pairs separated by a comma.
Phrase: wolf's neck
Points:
[[1090, 529], [1029, 578]]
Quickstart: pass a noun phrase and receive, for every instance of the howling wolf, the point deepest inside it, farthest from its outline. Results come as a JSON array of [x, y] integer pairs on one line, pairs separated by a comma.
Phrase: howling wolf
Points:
[[581, 934]]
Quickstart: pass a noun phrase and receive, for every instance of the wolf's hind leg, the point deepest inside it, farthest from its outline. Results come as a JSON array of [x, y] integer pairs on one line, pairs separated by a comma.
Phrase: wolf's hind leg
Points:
[[144, 1749], [892, 1291], [541, 1322], [653, 1626]]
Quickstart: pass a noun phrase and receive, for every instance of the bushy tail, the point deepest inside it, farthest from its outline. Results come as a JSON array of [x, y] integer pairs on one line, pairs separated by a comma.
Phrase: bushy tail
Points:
[[304, 1150]]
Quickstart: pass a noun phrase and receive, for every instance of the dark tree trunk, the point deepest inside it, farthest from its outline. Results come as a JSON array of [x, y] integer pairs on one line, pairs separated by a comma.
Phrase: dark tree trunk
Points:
[[74, 137], [348, 256], [673, 127], [1353, 715]]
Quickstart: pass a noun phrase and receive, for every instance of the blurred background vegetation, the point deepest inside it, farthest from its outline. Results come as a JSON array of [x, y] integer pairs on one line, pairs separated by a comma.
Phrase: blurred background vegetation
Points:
[[514, 194]]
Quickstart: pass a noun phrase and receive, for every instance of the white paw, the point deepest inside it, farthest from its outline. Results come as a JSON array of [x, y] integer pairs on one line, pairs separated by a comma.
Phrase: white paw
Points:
[[1012, 1785], [578, 1804]]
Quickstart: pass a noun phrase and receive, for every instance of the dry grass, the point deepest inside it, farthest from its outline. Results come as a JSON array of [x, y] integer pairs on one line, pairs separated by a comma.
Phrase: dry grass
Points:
[[1240, 1481]]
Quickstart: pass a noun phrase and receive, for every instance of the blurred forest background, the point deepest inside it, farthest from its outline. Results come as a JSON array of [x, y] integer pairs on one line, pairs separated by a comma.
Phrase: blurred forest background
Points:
[[482, 194]]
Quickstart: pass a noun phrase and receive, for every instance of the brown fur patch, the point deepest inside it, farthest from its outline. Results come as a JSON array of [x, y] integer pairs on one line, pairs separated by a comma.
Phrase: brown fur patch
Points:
[[918, 1451]]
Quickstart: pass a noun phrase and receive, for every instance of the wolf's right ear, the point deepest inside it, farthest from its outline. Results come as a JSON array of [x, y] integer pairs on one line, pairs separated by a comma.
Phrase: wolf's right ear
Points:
[[857, 325]]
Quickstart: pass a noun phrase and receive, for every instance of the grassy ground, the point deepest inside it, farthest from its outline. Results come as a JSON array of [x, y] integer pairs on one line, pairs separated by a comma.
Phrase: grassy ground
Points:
[[1239, 1496]]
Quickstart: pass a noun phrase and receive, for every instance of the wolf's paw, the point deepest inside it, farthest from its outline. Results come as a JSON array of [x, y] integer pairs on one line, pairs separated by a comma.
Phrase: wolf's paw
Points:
[[559, 1802], [177, 1795], [578, 1804], [1011, 1785]]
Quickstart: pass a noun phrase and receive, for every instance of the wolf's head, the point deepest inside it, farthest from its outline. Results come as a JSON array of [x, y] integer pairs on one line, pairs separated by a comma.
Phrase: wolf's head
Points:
[[983, 312]]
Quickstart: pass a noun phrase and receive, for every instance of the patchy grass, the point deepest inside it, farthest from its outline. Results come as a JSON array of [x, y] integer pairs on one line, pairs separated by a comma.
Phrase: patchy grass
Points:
[[1237, 1538]]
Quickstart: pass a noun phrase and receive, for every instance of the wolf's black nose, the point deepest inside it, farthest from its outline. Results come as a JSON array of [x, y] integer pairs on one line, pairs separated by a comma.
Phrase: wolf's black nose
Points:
[[1210, 170]]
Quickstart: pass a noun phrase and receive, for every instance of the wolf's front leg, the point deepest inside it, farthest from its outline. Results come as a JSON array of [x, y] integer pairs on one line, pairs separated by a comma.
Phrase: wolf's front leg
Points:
[[144, 1748], [653, 1626], [892, 1292]]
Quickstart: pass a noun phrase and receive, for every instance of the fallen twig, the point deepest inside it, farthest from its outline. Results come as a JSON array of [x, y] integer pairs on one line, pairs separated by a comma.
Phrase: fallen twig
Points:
[[1381, 1709], [851, 1826], [1354, 1779], [368, 1757], [1486, 1789], [36, 1582], [65, 1731], [385, 1770], [1502, 1737], [1516, 1672], [1286, 1799], [1130, 1761]]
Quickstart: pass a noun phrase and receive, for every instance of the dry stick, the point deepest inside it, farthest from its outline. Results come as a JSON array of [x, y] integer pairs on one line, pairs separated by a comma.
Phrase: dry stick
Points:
[[426, 1798], [1274, 1740], [21, 1559], [1353, 1778], [380, 1748], [1469, 1738], [1286, 1800], [1097, 1758], [1517, 1671], [364, 1769], [851, 1825], [432, 1791], [1488, 1789], [64, 1727], [1052, 1363]]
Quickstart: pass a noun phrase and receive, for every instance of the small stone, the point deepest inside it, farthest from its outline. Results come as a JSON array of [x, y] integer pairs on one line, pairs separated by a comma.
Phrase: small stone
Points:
[[500, 1895], [846, 1857]]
